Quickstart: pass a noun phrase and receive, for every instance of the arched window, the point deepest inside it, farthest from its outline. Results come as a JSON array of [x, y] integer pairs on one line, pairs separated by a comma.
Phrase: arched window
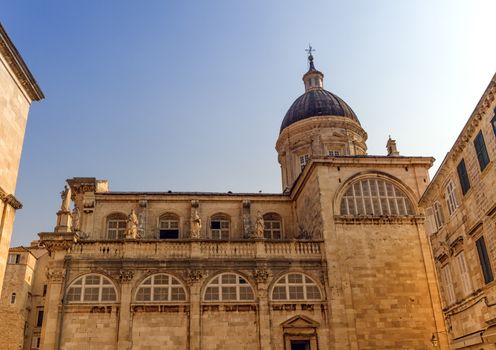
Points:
[[13, 298], [272, 226], [228, 287], [168, 225], [91, 288], [116, 226], [375, 197], [296, 286], [220, 225], [161, 288]]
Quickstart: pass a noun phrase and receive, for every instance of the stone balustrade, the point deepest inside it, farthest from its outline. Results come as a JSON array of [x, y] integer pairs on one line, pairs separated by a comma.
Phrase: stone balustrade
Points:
[[197, 248]]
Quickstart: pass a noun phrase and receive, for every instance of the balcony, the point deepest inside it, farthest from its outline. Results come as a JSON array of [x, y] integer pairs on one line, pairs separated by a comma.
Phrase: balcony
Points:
[[191, 249]]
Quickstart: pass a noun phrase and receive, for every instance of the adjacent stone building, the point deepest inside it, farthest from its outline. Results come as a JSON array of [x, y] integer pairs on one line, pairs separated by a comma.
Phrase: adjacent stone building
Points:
[[17, 90], [460, 204], [338, 260]]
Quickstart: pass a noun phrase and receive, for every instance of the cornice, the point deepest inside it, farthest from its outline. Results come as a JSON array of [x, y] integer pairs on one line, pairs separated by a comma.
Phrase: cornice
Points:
[[10, 199], [19, 67], [467, 133], [317, 123]]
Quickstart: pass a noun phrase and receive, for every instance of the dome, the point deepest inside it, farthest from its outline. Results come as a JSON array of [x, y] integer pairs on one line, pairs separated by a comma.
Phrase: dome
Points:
[[315, 103]]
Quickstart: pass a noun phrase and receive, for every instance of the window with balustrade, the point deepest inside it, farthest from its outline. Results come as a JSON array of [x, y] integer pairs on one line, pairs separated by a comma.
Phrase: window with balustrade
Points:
[[168, 225], [295, 286], [116, 226], [272, 226], [220, 225], [92, 288], [228, 287], [375, 197], [161, 288]]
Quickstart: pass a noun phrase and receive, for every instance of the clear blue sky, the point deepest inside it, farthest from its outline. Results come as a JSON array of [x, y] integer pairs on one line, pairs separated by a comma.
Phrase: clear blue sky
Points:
[[189, 95]]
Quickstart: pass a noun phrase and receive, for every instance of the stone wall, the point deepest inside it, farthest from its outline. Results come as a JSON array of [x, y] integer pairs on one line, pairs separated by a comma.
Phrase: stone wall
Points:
[[471, 312]]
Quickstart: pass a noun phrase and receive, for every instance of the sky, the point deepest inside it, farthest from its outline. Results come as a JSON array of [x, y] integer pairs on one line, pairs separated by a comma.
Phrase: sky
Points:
[[189, 95]]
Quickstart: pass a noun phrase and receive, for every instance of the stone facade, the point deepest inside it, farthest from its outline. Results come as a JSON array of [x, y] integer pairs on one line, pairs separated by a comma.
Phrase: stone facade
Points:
[[461, 205], [17, 90], [23, 297], [339, 260]]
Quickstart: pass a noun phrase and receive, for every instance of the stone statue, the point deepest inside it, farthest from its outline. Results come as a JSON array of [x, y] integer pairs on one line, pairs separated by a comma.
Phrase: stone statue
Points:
[[132, 225], [196, 225], [75, 219], [259, 226], [66, 198]]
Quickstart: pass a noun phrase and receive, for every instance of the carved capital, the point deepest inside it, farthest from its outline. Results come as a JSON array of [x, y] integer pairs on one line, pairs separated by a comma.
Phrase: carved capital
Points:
[[55, 275], [53, 241], [126, 275], [261, 275], [194, 276]]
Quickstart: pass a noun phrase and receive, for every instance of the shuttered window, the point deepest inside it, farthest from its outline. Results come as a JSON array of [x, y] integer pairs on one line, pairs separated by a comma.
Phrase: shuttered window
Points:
[[481, 151], [464, 274], [463, 176], [449, 291], [451, 197], [484, 260]]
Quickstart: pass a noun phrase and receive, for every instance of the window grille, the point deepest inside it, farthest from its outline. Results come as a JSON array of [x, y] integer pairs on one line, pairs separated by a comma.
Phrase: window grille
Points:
[[451, 197], [295, 286], [334, 153], [272, 226], [228, 287], [161, 288], [91, 289], [375, 197]]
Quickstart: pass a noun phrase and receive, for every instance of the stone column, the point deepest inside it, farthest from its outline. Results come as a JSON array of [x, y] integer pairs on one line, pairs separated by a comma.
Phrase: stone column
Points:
[[50, 330], [125, 315], [193, 279], [264, 332]]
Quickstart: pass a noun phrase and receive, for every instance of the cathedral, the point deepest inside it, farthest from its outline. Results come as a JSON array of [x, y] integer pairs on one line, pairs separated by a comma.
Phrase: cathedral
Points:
[[338, 260]]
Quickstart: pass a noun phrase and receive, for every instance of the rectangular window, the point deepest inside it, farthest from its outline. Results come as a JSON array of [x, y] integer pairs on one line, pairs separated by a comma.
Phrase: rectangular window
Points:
[[304, 160], [451, 197], [463, 176], [39, 319], [14, 258], [36, 342], [480, 149], [484, 260], [449, 291], [44, 289], [464, 274], [300, 345], [493, 122], [438, 215]]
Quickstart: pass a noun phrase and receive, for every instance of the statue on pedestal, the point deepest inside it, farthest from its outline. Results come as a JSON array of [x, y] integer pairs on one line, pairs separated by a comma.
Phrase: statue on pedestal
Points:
[[66, 198], [259, 226], [196, 225], [75, 219], [132, 225]]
